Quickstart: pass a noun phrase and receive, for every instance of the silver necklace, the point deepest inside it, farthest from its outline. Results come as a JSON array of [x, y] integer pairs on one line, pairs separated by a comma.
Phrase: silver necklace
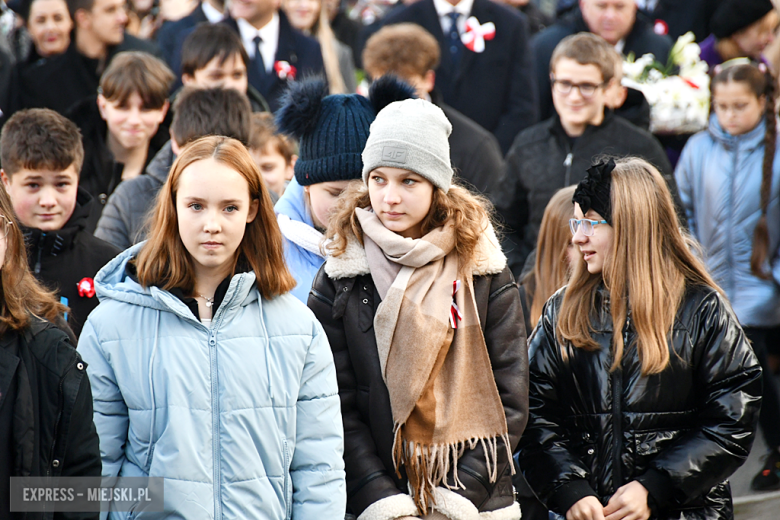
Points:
[[209, 301]]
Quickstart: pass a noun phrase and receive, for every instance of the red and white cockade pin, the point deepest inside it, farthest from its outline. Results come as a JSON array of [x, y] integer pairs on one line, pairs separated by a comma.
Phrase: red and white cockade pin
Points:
[[86, 287], [475, 35], [285, 71], [455, 314]]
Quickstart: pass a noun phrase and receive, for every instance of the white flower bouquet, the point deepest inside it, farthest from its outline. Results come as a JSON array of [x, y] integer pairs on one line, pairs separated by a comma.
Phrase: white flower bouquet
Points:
[[678, 92]]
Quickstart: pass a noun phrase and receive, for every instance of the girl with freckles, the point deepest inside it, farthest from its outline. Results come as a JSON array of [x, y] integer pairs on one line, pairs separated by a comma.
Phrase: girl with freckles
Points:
[[205, 370], [644, 391], [426, 327]]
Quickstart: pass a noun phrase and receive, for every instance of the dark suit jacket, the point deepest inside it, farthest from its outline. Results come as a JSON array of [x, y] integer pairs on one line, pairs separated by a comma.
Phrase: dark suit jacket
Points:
[[690, 15], [495, 88], [297, 49], [62, 81], [171, 36], [641, 40]]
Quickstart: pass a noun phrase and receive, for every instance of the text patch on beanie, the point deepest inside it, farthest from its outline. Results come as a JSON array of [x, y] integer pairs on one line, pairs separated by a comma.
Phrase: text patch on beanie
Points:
[[394, 154]]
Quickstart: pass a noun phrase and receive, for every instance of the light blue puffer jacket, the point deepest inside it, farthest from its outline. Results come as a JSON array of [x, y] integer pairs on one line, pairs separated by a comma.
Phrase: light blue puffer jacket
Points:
[[242, 419], [303, 264], [719, 181]]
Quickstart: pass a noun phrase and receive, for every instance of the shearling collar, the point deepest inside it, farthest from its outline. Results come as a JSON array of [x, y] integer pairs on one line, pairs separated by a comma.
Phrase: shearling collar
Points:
[[353, 262]]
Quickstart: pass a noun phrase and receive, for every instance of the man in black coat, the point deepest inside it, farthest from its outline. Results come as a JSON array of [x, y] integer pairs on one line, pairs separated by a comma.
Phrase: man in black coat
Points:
[[98, 35], [557, 152], [494, 87], [278, 53], [681, 17], [617, 21], [170, 33], [410, 52]]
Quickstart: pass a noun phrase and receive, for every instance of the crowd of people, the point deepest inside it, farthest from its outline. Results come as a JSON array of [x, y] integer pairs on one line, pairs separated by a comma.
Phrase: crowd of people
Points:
[[320, 259]]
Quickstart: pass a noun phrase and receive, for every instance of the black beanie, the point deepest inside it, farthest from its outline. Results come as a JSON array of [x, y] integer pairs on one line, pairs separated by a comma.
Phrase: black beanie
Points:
[[594, 191], [332, 130], [734, 15]]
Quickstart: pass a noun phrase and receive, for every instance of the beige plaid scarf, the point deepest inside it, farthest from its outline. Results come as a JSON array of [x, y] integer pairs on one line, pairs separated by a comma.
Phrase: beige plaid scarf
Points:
[[443, 395]]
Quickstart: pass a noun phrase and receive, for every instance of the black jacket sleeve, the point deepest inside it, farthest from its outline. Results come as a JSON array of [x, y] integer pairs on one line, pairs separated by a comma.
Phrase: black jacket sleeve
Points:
[[511, 200], [558, 476], [727, 371], [368, 480], [504, 333]]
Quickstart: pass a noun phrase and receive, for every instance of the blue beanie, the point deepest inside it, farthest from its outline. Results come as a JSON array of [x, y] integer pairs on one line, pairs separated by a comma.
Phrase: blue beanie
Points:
[[331, 130]]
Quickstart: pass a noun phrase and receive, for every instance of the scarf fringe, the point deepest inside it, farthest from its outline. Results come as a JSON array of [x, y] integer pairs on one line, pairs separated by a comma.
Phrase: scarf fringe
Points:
[[427, 466]]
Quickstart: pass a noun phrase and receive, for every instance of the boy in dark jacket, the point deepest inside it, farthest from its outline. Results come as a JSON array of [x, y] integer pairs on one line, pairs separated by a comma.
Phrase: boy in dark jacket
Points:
[[42, 153], [556, 153]]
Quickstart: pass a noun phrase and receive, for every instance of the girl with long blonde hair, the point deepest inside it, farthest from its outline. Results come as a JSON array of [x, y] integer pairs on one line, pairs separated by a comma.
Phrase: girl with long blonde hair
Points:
[[644, 391], [201, 362], [425, 323]]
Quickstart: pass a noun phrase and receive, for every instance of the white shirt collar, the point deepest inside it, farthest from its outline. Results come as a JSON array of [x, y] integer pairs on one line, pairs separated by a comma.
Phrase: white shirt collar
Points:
[[443, 8], [269, 34], [213, 15]]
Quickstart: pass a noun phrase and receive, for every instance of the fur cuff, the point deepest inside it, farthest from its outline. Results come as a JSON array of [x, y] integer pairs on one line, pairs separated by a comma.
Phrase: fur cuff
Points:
[[505, 513], [390, 508], [454, 506]]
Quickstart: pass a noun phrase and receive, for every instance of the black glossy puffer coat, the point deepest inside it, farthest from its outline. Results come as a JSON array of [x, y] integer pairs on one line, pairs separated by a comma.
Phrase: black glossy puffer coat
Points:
[[680, 433]]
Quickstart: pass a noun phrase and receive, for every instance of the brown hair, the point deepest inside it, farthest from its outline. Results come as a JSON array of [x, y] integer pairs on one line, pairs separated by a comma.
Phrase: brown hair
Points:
[[587, 49], [469, 212], [209, 41], [21, 296], [210, 111], [551, 269], [265, 133], [40, 139], [324, 34], [404, 49], [762, 85], [135, 72], [648, 265], [165, 262]]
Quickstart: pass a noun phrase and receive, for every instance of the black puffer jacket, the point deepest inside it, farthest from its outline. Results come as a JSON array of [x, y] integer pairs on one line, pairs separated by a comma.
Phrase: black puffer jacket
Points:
[[346, 307], [680, 433]]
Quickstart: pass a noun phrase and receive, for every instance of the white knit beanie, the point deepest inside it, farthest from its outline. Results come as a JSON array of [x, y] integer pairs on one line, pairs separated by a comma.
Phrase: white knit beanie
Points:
[[413, 135]]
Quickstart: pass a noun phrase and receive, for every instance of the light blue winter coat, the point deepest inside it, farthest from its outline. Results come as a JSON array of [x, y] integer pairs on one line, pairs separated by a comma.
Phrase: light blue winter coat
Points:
[[242, 419], [719, 181], [303, 264]]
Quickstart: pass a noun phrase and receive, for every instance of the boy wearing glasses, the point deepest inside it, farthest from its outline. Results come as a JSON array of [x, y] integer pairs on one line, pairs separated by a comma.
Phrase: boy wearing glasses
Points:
[[556, 153], [42, 154]]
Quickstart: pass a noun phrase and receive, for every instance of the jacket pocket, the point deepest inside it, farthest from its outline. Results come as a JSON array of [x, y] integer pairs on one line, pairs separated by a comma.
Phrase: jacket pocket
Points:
[[648, 444], [584, 446], [287, 480]]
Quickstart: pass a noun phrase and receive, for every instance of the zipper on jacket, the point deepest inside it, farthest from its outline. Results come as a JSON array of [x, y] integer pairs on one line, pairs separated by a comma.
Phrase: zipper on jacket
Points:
[[215, 424], [57, 422], [730, 248], [40, 252], [617, 415]]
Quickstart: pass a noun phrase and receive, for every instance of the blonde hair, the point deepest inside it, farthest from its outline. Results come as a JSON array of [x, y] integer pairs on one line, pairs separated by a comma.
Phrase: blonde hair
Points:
[[469, 212], [164, 261], [649, 266], [330, 58], [551, 269]]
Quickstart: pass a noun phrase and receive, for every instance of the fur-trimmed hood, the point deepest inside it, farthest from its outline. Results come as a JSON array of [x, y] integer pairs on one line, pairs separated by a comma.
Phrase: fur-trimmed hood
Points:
[[353, 262]]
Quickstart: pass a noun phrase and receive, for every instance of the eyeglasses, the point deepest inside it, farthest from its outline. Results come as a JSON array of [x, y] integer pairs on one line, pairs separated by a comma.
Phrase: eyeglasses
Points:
[[587, 225], [564, 87]]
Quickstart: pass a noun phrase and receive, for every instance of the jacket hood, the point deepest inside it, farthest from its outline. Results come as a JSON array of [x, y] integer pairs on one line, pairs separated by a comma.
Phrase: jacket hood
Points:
[[113, 282], [752, 139], [161, 164], [293, 204], [489, 259]]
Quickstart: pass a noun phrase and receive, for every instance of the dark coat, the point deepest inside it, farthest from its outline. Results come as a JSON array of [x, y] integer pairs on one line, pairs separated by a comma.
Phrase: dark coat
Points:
[[543, 160], [641, 40], [61, 81], [294, 47], [681, 432], [100, 173], [495, 88], [53, 428], [61, 259], [474, 152], [346, 309], [681, 17], [171, 35]]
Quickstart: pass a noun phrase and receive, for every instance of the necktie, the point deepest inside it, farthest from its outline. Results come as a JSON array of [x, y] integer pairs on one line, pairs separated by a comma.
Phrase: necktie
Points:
[[456, 46], [259, 63]]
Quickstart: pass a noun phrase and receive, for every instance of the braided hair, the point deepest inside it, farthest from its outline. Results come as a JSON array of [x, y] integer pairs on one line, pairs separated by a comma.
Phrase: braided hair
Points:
[[761, 83]]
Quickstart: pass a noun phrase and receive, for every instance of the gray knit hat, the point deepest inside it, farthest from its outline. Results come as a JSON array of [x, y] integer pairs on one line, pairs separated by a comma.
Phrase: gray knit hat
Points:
[[412, 135]]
